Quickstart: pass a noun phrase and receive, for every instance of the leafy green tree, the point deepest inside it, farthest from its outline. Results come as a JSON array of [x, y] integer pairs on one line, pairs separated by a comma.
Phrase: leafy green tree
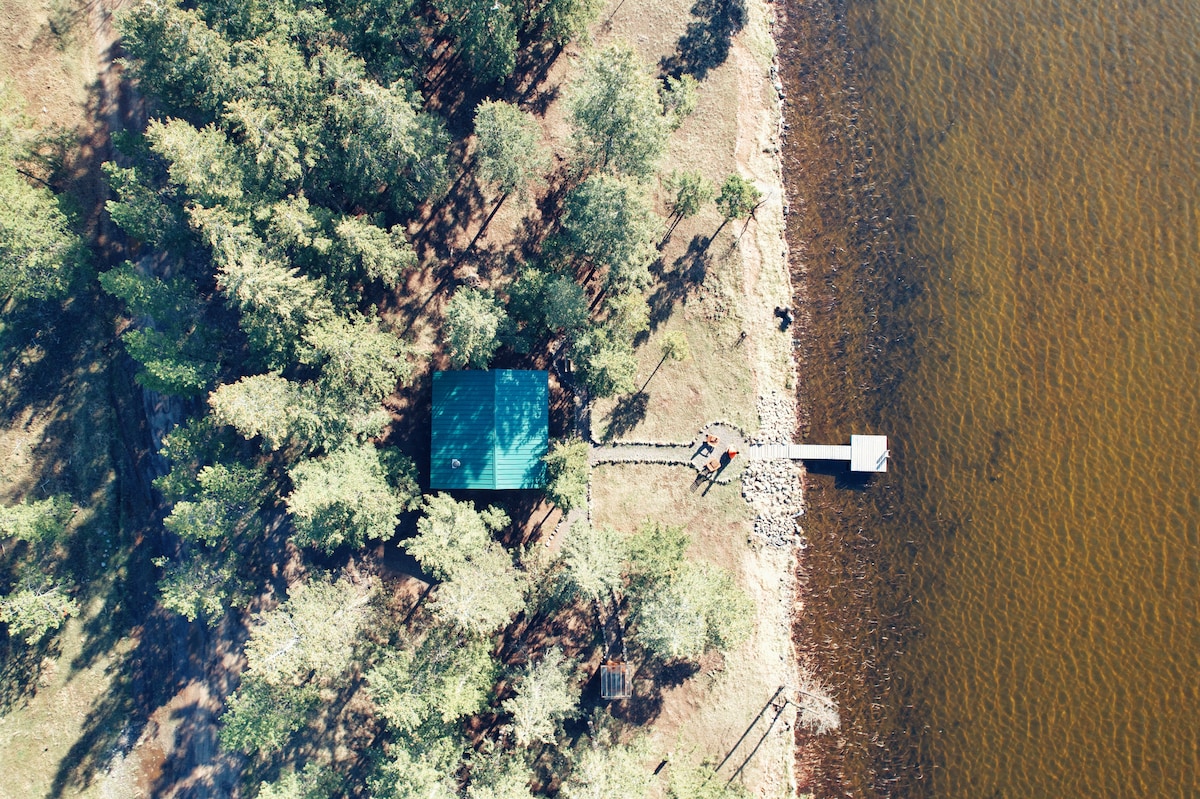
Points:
[[313, 782], [699, 609], [679, 97], [562, 21], [265, 405], [225, 507], [604, 772], [39, 523], [675, 346], [420, 766], [509, 149], [448, 676], [484, 597], [499, 773], [610, 222], [608, 366], [201, 585], [35, 610], [542, 304], [486, 35], [202, 161], [657, 553], [173, 345], [546, 693], [616, 114], [628, 315], [473, 320], [595, 557], [358, 358], [691, 192], [567, 473], [451, 535], [564, 306], [262, 716], [354, 494], [738, 198], [373, 252], [39, 253], [312, 632]]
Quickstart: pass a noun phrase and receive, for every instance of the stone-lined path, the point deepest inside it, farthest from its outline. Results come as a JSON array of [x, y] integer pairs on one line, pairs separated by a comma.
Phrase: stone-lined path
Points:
[[699, 454]]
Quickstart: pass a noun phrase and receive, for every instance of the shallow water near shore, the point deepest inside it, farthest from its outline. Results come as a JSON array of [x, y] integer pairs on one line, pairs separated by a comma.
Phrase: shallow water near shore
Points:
[[999, 266]]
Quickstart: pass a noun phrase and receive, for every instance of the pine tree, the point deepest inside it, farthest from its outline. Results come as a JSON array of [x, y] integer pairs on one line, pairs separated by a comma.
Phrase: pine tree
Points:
[[447, 676], [269, 406], [509, 150], [354, 494], [595, 559], [224, 508], [39, 523], [312, 633], [567, 473], [451, 535], [616, 114], [357, 357], [39, 253], [371, 252], [609, 222], [33, 611], [484, 596], [604, 772], [546, 693], [473, 321], [202, 584]]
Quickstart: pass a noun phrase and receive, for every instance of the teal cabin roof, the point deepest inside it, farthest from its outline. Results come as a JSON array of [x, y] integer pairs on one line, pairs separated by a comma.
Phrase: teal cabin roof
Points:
[[490, 429]]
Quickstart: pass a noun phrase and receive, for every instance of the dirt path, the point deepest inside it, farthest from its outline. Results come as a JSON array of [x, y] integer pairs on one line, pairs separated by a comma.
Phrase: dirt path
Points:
[[177, 753]]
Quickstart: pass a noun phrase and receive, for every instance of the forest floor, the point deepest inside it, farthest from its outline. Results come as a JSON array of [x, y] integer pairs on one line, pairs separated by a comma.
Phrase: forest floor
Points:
[[67, 428]]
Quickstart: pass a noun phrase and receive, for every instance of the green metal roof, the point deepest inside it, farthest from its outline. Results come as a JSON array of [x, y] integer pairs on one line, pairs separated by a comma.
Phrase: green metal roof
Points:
[[495, 425]]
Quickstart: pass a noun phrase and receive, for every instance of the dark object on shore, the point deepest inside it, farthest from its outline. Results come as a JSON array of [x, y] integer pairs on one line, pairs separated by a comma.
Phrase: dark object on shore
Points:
[[785, 317]]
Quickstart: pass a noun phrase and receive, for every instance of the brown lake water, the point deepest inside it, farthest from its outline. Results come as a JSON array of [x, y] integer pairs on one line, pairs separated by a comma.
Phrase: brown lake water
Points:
[[995, 231]]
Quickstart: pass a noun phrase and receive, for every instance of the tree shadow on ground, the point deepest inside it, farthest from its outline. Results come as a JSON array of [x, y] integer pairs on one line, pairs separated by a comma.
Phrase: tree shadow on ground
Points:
[[628, 413], [646, 704], [142, 680], [21, 667], [686, 274], [705, 44]]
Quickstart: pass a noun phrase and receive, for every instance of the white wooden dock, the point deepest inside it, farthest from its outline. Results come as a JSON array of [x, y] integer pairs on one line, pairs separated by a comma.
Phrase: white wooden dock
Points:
[[865, 453]]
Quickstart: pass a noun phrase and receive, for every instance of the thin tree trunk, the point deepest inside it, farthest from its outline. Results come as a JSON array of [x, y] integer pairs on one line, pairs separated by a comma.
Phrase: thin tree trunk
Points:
[[599, 296], [677, 219], [652, 374], [482, 228]]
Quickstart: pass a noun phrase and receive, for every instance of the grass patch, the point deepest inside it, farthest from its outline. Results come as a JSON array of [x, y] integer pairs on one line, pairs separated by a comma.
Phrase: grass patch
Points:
[[715, 383], [716, 515]]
